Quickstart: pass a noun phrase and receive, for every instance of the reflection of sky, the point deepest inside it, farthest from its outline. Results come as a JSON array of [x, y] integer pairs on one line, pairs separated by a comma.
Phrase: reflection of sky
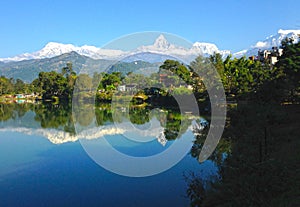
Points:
[[41, 174], [137, 149], [17, 151], [35, 172]]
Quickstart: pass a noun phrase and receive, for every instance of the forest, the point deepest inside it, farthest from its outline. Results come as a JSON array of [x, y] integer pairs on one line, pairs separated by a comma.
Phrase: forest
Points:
[[262, 161], [262, 127]]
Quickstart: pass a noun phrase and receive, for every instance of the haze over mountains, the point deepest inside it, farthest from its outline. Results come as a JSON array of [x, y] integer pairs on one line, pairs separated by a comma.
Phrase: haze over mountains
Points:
[[90, 59]]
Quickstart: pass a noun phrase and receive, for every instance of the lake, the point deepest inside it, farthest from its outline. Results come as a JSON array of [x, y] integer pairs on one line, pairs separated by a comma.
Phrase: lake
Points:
[[46, 156]]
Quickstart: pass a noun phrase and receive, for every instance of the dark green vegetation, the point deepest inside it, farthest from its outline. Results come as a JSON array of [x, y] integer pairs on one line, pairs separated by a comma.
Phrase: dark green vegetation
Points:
[[59, 116], [260, 141], [173, 78], [263, 160]]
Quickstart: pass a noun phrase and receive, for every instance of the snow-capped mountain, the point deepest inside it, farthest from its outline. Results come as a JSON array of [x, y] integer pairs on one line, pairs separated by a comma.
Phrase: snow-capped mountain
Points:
[[161, 43], [207, 48], [53, 49], [160, 46], [56, 136], [269, 42]]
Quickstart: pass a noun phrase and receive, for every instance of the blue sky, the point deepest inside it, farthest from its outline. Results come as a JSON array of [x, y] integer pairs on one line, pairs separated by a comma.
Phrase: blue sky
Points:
[[26, 26]]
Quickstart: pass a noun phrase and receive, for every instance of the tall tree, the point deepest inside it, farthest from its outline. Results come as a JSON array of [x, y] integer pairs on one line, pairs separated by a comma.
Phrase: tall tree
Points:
[[178, 69], [53, 84], [289, 66], [6, 85]]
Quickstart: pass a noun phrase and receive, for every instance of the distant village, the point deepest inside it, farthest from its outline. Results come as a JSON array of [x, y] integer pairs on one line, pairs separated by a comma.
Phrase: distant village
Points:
[[264, 56], [21, 98], [269, 56]]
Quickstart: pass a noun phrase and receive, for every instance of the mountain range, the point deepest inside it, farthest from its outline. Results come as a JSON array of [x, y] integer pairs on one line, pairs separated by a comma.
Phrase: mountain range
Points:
[[160, 46], [269, 42], [90, 59]]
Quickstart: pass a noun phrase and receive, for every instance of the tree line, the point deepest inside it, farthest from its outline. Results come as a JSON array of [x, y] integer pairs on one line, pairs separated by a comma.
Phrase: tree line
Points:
[[239, 76], [262, 160]]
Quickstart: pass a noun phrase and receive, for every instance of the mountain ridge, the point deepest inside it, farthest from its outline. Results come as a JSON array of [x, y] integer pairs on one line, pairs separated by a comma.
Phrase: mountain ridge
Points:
[[160, 46], [269, 42], [28, 70], [89, 59]]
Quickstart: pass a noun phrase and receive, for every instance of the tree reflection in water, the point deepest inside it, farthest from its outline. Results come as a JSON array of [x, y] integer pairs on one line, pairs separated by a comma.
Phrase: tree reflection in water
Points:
[[60, 117]]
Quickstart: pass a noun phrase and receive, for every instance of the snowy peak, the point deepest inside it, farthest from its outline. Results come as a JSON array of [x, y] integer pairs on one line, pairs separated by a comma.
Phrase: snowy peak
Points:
[[54, 49], [161, 42], [269, 42], [159, 46], [275, 40], [286, 32], [52, 45], [162, 46], [204, 48]]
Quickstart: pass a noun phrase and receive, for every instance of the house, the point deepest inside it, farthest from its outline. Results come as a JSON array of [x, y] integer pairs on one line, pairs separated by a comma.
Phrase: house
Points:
[[122, 88], [131, 87], [127, 87], [269, 55]]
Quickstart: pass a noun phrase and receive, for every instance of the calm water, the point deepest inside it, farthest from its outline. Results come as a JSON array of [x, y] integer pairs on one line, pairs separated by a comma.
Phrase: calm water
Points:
[[42, 161]]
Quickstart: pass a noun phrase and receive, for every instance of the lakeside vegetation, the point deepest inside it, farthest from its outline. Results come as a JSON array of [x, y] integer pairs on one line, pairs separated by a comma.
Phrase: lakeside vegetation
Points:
[[238, 76], [262, 166], [261, 138]]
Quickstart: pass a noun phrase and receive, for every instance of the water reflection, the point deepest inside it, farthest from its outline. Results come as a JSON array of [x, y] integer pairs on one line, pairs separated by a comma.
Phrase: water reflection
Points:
[[55, 121]]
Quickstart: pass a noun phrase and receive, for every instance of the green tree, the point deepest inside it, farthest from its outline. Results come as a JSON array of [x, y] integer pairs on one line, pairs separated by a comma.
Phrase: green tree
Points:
[[110, 81], [242, 75], [261, 130], [20, 86], [217, 61], [53, 84], [96, 79], [289, 67], [84, 82], [6, 85], [67, 70], [139, 79], [178, 69]]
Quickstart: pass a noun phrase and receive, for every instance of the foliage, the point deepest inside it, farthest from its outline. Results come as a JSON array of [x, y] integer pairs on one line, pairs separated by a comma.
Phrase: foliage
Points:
[[55, 116], [181, 91], [84, 83], [288, 67], [137, 79], [260, 170], [262, 166], [110, 81], [178, 69], [6, 85], [52, 84]]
